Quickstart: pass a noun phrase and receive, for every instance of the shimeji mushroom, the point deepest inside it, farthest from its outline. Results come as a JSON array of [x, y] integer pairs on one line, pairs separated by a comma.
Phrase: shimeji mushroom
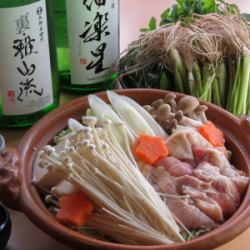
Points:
[[157, 103], [163, 112], [149, 109], [187, 105], [170, 99], [172, 115], [201, 113]]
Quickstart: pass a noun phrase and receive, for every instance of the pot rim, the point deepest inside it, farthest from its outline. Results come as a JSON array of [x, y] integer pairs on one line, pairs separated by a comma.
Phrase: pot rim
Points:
[[30, 202]]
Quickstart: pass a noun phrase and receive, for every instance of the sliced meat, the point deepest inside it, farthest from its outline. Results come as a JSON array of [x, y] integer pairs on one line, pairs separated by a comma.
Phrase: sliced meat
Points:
[[171, 185], [210, 207], [189, 215], [190, 162], [190, 181], [206, 171], [225, 201], [180, 144], [197, 190], [204, 212], [199, 154], [241, 182], [175, 167], [206, 204], [205, 193], [225, 194], [183, 207], [211, 155], [218, 159]]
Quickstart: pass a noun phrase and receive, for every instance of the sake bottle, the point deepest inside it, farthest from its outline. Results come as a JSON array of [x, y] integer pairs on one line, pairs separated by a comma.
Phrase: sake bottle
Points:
[[87, 37], [29, 86]]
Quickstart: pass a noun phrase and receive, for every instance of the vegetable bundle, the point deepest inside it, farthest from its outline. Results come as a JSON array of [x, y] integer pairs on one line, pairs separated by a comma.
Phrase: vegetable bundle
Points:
[[208, 57]]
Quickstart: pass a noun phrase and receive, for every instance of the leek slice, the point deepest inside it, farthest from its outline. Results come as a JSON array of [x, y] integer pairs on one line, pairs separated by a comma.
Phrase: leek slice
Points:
[[157, 129], [132, 118]]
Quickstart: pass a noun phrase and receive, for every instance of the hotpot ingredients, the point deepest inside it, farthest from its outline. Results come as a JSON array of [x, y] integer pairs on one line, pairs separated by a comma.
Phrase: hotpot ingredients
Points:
[[121, 175]]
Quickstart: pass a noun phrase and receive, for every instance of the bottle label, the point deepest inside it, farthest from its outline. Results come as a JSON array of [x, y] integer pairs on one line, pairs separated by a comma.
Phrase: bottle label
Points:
[[93, 29], [25, 77]]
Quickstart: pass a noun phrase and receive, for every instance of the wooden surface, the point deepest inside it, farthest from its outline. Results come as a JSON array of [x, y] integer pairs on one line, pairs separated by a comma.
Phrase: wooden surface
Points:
[[134, 14]]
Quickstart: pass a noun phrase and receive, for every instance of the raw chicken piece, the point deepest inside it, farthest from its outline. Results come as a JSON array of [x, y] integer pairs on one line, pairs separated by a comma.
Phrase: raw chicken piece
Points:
[[189, 215], [226, 194], [180, 144], [202, 188], [174, 166], [218, 159], [185, 207], [206, 204], [197, 190]]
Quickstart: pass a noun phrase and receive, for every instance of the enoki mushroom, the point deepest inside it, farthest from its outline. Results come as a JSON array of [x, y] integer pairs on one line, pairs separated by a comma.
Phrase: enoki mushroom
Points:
[[128, 208]]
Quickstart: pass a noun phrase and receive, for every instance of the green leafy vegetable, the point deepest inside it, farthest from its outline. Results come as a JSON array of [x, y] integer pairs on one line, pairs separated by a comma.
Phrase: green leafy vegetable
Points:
[[184, 9], [202, 48], [245, 16], [152, 25]]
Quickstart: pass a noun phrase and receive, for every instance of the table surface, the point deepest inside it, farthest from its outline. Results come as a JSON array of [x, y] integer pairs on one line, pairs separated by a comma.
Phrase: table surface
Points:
[[23, 229]]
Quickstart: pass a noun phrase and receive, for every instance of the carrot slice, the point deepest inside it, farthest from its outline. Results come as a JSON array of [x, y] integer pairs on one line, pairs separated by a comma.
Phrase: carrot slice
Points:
[[150, 149], [74, 209], [211, 133]]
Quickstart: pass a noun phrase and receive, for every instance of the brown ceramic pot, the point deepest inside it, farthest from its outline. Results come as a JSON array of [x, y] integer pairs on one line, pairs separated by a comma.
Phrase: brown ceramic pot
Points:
[[26, 197]]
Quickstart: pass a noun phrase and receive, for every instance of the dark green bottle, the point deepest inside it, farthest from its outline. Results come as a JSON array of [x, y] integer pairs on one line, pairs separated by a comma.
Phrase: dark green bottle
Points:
[[87, 38], [29, 86]]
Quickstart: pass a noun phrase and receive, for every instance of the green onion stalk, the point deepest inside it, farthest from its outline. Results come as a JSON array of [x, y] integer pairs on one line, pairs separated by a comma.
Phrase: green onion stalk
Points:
[[191, 83], [230, 74], [216, 92], [191, 86], [165, 82], [208, 77], [198, 80], [208, 58], [244, 83], [234, 67], [248, 99], [221, 76], [209, 95], [235, 99], [178, 68]]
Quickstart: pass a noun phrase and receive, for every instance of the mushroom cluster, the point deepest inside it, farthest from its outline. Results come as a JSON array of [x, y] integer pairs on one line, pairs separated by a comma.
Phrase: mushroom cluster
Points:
[[170, 113], [95, 163]]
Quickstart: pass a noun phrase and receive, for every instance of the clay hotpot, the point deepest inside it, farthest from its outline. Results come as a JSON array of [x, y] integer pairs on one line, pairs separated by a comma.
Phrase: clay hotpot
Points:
[[26, 198]]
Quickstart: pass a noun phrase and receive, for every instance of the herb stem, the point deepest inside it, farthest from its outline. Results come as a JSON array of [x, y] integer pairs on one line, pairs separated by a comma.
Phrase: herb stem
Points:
[[232, 97], [243, 87], [191, 83], [197, 77], [178, 69], [216, 92], [208, 77], [221, 74]]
